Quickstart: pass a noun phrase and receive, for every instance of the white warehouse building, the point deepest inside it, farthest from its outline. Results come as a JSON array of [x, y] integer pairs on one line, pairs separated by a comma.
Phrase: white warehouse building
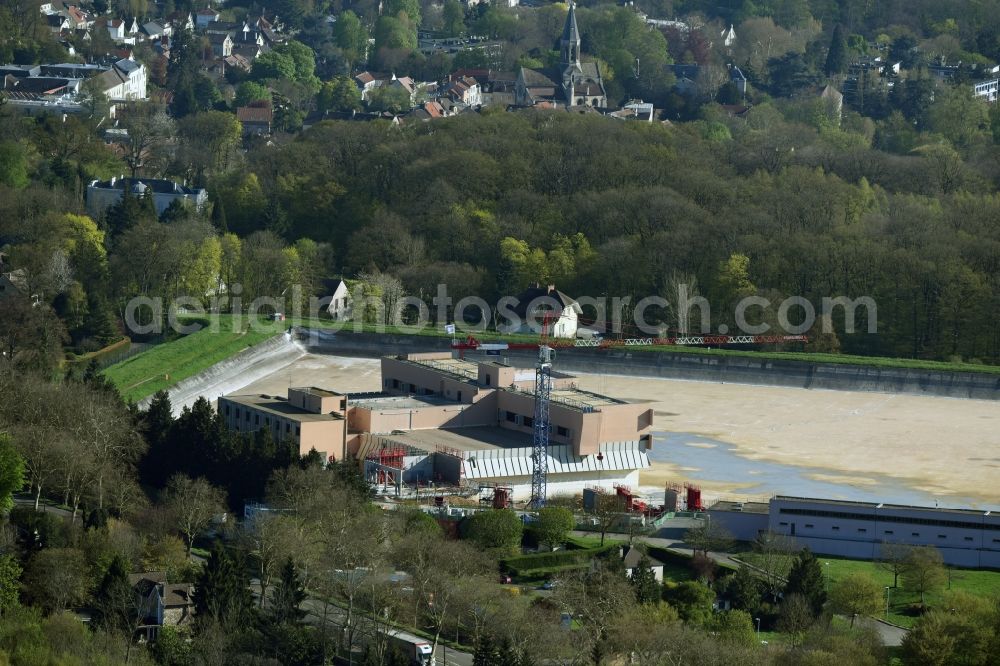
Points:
[[965, 537]]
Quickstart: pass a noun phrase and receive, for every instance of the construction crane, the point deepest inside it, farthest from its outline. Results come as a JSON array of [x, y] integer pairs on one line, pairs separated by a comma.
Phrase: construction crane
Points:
[[543, 380], [540, 434]]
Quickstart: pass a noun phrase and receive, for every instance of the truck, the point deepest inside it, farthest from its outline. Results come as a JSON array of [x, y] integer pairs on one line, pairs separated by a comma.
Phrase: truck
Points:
[[417, 650]]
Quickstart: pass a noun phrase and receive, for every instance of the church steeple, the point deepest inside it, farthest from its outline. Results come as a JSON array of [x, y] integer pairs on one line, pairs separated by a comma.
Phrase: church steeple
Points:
[[570, 42]]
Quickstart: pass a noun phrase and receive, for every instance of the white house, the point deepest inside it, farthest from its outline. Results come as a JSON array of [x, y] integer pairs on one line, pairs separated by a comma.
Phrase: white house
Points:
[[126, 80], [631, 560], [538, 306], [340, 299]]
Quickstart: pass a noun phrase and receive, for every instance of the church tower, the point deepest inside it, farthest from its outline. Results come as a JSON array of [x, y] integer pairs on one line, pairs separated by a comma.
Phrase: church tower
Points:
[[570, 42]]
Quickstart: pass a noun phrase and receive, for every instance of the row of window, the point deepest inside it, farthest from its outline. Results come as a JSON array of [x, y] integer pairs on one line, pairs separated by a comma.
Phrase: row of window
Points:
[[863, 530], [888, 518], [267, 420], [529, 422]]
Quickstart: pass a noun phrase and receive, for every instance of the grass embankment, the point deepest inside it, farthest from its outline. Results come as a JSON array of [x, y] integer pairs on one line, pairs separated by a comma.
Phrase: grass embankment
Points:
[[168, 363], [977, 582]]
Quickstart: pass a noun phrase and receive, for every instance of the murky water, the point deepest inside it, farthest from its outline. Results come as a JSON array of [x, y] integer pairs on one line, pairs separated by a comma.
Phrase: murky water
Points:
[[705, 459]]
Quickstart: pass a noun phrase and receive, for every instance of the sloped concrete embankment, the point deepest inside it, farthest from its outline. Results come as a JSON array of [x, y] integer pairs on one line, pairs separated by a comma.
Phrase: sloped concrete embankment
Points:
[[666, 365], [246, 367]]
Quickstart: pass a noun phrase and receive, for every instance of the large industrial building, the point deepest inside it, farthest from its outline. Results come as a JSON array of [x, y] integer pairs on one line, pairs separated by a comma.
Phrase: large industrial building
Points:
[[457, 423], [859, 530]]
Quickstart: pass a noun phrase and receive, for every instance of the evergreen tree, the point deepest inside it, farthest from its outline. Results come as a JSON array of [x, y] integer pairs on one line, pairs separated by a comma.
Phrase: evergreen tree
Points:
[[836, 57], [219, 217], [222, 591], [507, 654], [745, 589], [647, 590], [287, 597], [486, 651], [806, 578], [115, 610]]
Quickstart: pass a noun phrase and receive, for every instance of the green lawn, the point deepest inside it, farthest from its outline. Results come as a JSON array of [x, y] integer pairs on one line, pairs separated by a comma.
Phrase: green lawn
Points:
[[972, 581], [166, 364]]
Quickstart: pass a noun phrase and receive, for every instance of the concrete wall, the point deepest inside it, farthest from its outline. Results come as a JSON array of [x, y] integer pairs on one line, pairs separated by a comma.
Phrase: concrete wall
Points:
[[669, 365], [743, 526]]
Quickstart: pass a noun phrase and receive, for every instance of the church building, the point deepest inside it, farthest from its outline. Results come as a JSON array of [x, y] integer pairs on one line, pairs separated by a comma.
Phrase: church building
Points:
[[572, 83]]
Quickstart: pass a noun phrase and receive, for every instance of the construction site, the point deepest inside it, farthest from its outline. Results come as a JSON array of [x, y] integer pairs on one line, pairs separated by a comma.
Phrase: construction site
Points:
[[445, 425]]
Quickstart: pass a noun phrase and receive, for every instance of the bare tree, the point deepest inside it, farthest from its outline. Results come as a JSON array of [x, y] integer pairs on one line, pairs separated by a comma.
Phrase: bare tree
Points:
[[193, 503], [773, 556], [608, 509], [149, 127], [892, 559], [708, 536]]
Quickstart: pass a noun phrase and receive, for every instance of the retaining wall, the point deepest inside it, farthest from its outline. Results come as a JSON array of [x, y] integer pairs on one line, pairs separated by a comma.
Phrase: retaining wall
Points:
[[671, 365]]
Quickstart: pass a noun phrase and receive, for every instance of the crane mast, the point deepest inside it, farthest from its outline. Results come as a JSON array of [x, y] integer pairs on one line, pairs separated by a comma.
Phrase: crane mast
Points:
[[541, 429]]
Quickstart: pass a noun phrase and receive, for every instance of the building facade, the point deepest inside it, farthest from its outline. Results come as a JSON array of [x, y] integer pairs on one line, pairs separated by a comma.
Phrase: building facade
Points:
[[461, 424], [102, 195], [965, 537]]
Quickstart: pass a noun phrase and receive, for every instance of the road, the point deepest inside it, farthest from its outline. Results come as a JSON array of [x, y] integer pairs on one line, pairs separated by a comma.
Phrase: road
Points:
[[334, 615]]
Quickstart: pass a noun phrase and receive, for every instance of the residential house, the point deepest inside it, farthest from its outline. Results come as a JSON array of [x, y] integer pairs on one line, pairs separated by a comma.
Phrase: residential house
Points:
[[181, 20], [339, 303], [103, 195], [57, 23], [238, 61], [13, 283], [986, 90], [155, 30], [686, 77], [78, 19], [367, 82], [256, 118], [633, 556], [538, 306], [729, 37], [465, 90], [122, 31], [635, 110], [160, 603], [222, 44], [124, 81], [205, 16]]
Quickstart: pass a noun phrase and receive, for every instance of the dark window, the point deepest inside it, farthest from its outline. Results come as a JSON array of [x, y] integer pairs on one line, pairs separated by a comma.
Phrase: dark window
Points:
[[916, 534], [862, 530], [529, 422], [968, 538], [256, 419], [267, 421], [809, 525], [511, 416], [784, 524], [488, 380], [835, 528], [942, 536], [888, 532], [288, 427], [298, 431], [562, 432], [459, 398], [227, 410], [395, 383]]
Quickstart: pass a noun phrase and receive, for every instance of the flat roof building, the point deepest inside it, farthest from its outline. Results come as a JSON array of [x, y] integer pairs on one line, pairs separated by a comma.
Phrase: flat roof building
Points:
[[965, 537], [442, 419]]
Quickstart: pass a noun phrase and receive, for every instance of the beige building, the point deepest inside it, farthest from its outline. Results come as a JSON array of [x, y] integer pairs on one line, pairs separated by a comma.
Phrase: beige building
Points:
[[312, 417], [460, 423]]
